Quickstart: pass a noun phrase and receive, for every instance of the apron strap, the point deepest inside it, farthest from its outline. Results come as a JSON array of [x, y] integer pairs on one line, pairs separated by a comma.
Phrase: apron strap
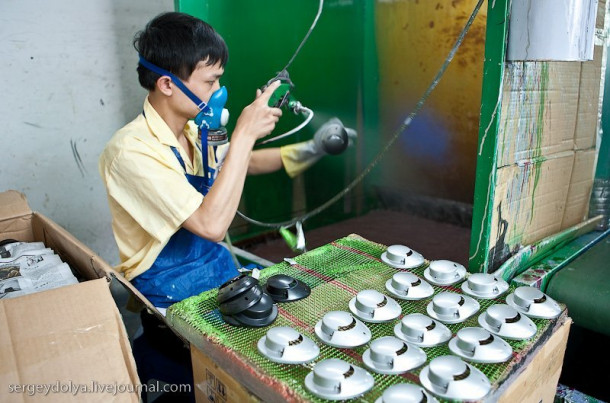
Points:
[[183, 165], [179, 157]]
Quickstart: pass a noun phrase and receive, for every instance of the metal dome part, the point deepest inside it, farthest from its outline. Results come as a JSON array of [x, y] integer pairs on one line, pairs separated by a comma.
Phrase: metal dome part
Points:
[[283, 288], [402, 257], [235, 286], [390, 355], [507, 322], [421, 330], [478, 345], [287, 346], [263, 313], [450, 377], [405, 393], [242, 301], [449, 307], [534, 303], [408, 286], [341, 329], [335, 379], [444, 272], [374, 307], [484, 286]]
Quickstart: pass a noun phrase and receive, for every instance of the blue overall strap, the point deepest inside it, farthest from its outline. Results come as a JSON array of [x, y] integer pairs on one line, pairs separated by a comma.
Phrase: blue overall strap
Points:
[[181, 161], [156, 69]]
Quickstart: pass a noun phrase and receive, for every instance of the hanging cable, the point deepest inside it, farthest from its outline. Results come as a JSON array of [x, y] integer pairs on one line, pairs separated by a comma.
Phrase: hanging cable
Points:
[[315, 21], [299, 110], [390, 143]]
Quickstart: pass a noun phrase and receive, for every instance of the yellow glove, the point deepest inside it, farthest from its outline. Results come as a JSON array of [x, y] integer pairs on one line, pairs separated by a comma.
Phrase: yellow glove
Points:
[[332, 138]]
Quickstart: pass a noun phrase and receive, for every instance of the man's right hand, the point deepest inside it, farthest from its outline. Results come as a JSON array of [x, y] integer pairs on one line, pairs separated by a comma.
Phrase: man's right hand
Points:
[[258, 119]]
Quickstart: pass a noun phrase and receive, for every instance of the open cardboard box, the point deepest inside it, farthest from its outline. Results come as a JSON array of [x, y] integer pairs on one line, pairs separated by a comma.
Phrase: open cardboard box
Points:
[[69, 343]]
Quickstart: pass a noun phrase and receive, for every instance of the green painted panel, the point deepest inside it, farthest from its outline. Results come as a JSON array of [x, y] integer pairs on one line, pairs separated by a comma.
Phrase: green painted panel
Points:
[[493, 72]]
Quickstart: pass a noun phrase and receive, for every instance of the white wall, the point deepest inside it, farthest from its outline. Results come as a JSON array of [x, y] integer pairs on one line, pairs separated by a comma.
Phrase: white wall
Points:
[[69, 82]]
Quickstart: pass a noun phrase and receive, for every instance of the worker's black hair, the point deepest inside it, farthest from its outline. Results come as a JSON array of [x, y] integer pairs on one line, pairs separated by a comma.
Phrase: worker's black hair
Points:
[[177, 42]]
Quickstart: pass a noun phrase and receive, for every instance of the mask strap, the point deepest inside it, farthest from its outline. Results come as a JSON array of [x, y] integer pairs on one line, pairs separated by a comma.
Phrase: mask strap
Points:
[[156, 69]]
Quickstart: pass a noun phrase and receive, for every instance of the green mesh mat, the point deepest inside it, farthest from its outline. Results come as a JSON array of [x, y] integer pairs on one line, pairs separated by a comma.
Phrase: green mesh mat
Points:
[[336, 272]]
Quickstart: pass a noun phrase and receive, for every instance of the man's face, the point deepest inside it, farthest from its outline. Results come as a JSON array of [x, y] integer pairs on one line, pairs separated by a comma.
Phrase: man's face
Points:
[[204, 81]]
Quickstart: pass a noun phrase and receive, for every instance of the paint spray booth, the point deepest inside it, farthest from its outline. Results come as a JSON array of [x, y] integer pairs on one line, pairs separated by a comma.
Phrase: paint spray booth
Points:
[[488, 154]]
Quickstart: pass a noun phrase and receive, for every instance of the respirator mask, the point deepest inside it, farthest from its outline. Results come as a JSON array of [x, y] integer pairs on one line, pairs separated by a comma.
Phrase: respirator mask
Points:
[[212, 117]]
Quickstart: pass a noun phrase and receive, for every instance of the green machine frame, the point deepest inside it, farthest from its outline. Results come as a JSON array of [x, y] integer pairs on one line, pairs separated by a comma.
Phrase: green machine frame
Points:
[[493, 73]]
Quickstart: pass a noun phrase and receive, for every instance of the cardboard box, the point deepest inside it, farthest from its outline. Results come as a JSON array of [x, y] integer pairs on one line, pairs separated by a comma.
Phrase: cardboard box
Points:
[[546, 151], [69, 343], [215, 385]]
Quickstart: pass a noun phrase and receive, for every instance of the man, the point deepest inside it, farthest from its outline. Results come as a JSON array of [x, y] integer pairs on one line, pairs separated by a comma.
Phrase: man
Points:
[[173, 197], [167, 216]]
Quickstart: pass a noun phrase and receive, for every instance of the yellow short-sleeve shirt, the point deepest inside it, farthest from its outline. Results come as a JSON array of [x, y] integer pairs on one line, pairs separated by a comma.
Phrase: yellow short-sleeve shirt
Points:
[[148, 193]]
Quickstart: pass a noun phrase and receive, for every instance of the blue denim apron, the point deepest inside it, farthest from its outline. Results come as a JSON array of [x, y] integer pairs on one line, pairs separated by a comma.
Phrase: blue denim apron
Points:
[[188, 264]]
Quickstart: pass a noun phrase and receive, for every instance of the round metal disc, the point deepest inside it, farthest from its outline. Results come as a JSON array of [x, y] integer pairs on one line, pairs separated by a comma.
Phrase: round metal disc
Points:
[[341, 329], [287, 346], [407, 286], [450, 377], [449, 307], [507, 322], [444, 272], [402, 257], [534, 303], [479, 345], [335, 379], [484, 286], [374, 307], [390, 355], [421, 330]]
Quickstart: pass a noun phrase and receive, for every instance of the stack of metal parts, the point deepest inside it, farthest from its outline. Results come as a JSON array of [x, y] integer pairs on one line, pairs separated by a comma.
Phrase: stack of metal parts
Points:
[[337, 273], [242, 302]]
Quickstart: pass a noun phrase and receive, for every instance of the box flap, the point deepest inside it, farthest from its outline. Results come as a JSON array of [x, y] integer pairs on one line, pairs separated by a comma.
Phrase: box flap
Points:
[[13, 204], [72, 337]]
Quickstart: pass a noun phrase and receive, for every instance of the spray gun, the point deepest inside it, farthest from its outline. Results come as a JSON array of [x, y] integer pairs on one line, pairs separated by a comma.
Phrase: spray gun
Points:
[[332, 137], [282, 98]]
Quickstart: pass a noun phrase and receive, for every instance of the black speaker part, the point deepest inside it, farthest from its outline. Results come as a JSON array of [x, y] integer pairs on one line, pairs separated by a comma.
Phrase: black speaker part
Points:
[[235, 286], [283, 288], [242, 301]]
